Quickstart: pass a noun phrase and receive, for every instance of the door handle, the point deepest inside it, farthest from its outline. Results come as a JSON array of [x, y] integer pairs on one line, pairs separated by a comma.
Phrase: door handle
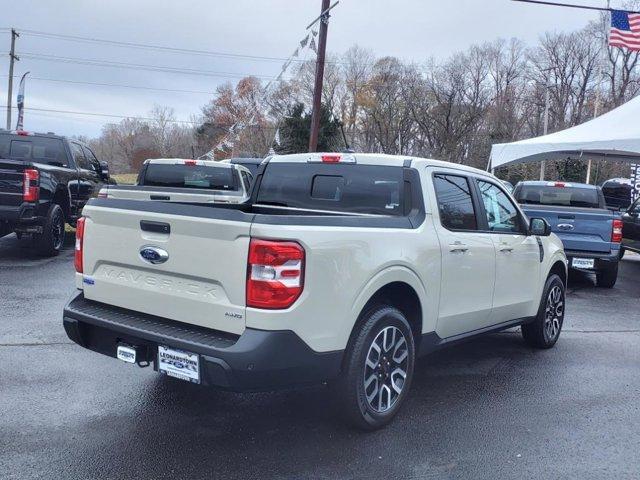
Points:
[[506, 248], [458, 247]]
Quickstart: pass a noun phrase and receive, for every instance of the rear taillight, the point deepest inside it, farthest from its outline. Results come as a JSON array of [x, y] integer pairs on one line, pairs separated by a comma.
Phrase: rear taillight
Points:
[[616, 231], [191, 163], [77, 259], [30, 191], [103, 194], [275, 276]]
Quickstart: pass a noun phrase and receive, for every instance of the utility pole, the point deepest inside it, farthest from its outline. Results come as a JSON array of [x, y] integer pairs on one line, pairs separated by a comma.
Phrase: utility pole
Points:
[[317, 91], [12, 57]]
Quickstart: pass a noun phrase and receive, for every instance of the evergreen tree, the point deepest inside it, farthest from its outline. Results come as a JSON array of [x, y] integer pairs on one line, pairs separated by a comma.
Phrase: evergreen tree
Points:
[[296, 128]]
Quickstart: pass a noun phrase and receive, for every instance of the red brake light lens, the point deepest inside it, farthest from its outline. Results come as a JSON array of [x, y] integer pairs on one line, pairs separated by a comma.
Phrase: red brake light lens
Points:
[[616, 232], [30, 191], [275, 274], [191, 163], [77, 259], [331, 158], [560, 184]]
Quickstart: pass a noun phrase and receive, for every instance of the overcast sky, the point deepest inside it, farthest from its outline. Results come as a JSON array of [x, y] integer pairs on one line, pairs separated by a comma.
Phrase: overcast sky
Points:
[[410, 29]]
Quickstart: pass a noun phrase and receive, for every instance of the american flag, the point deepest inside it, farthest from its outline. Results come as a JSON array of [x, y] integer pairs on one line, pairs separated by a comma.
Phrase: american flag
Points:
[[625, 30]]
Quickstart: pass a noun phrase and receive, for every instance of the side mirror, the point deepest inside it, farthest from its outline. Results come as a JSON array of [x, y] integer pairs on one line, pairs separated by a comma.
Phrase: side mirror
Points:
[[539, 227], [104, 170]]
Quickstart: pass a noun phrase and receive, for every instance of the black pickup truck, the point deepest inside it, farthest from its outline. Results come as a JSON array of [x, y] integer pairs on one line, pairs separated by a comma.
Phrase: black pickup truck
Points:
[[45, 180]]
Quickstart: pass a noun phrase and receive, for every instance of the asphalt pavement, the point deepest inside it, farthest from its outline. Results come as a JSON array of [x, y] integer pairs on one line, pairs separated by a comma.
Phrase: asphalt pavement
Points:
[[491, 408]]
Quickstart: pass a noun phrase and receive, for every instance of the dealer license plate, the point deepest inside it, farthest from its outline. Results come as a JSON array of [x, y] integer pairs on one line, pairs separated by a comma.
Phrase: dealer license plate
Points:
[[179, 364], [126, 354], [582, 263]]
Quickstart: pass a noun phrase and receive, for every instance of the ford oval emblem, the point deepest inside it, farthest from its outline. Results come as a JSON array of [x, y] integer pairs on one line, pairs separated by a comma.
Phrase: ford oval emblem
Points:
[[153, 255]]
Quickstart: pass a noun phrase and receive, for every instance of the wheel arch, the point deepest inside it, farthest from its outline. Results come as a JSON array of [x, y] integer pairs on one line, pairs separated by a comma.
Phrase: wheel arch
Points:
[[63, 198], [398, 287], [559, 267]]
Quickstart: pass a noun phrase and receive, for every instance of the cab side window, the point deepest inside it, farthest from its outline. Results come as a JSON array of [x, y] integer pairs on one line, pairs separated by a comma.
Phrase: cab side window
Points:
[[91, 159], [79, 158], [455, 202], [246, 180], [502, 214]]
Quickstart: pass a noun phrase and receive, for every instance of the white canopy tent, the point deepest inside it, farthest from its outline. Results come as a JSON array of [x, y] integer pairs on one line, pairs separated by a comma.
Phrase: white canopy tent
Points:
[[613, 136]]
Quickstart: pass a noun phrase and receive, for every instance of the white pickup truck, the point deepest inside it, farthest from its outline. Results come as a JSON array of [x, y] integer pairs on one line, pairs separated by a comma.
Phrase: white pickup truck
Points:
[[185, 180], [342, 268]]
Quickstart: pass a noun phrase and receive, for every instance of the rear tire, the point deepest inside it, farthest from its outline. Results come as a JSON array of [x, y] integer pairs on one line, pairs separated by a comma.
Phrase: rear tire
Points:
[[377, 369], [50, 241], [544, 331], [607, 278]]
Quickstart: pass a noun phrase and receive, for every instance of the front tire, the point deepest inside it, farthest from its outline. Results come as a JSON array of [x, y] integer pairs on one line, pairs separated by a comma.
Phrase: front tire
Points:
[[377, 370], [544, 331], [50, 241], [607, 278]]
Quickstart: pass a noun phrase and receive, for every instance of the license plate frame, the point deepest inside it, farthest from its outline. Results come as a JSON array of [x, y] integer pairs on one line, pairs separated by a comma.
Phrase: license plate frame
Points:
[[583, 263], [179, 364]]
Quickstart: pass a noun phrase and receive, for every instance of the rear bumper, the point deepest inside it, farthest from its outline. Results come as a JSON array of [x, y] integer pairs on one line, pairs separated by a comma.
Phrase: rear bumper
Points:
[[603, 261], [23, 214], [256, 360]]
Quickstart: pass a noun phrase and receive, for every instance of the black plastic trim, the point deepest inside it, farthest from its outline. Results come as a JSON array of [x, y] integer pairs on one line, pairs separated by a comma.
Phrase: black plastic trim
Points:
[[231, 212], [155, 227], [431, 342], [254, 361]]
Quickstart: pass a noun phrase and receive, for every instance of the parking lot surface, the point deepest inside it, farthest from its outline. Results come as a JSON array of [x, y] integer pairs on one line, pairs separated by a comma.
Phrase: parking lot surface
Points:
[[491, 408]]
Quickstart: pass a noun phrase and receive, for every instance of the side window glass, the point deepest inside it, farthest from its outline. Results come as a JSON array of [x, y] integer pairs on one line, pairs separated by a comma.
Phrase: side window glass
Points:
[[91, 159], [78, 156], [455, 203], [502, 215], [245, 180]]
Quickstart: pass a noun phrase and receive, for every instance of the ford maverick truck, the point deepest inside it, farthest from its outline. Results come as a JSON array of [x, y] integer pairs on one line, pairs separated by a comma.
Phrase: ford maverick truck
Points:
[[342, 268]]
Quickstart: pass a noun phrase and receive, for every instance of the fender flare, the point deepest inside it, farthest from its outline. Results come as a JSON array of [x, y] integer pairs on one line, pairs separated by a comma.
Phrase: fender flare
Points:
[[391, 274]]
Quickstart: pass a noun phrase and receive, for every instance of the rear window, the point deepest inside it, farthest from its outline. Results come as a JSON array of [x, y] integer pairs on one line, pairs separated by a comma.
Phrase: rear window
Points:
[[344, 188], [561, 196], [191, 176], [32, 148]]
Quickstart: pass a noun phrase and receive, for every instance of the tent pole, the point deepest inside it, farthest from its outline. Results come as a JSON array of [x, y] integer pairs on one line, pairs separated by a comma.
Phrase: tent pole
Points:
[[546, 122]]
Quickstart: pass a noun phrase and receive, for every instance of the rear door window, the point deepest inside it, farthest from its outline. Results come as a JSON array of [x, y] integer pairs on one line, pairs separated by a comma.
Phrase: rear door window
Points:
[[455, 202], [191, 176], [367, 189]]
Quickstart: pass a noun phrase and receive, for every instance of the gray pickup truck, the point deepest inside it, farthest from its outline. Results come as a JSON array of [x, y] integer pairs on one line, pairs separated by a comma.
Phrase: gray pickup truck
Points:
[[591, 234]]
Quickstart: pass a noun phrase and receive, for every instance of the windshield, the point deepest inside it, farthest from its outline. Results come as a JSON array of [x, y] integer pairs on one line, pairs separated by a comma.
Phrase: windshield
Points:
[[32, 148], [191, 176], [562, 196]]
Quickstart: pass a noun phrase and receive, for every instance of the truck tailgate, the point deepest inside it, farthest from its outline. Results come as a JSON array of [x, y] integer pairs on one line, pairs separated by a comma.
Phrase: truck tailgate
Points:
[[11, 182], [202, 281], [580, 229]]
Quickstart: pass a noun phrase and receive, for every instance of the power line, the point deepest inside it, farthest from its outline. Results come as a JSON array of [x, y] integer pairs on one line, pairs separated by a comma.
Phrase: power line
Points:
[[138, 87], [136, 66], [110, 115], [145, 46]]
